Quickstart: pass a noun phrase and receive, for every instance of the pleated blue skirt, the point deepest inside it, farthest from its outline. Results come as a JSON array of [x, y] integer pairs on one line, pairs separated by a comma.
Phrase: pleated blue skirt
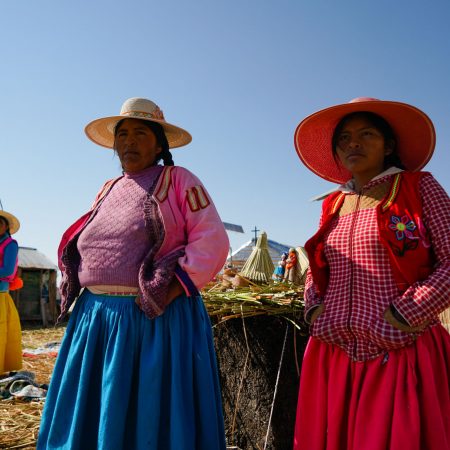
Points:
[[122, 381]]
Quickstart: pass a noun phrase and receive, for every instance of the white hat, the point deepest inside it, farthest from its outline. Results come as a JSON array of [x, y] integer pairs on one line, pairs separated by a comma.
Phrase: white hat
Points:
[[101, 131]]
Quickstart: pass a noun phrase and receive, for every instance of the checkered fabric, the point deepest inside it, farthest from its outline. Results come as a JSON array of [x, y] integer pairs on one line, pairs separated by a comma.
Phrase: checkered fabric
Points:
[[361, 284]]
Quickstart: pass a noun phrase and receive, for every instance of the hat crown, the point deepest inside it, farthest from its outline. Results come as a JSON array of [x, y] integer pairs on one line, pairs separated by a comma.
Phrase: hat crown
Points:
[[364, 99], [138, 107]]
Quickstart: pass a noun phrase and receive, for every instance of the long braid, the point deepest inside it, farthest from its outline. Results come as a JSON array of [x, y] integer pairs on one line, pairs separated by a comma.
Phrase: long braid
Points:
[[166, 156]]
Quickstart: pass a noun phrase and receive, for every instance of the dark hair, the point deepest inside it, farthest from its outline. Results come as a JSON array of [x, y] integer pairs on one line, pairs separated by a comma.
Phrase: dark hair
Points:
[[161, 139], [382, 126]]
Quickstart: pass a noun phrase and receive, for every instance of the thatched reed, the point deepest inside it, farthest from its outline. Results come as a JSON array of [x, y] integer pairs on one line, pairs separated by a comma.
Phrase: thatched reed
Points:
[[259, 266]]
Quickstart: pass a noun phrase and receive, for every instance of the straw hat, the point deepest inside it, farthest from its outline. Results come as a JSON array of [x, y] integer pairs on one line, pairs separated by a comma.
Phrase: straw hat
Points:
[[101, 131], [413, 129], [13, 221]]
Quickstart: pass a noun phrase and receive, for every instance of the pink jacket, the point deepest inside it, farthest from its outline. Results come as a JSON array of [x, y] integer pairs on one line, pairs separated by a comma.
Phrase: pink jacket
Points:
[[193, 233]]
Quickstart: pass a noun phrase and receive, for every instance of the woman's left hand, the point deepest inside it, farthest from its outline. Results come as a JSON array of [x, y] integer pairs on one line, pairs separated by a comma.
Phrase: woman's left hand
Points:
[[403, 326], [175, 289]]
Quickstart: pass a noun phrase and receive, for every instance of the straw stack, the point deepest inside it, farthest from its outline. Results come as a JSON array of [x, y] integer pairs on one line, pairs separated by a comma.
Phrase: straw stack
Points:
[[259, 266]]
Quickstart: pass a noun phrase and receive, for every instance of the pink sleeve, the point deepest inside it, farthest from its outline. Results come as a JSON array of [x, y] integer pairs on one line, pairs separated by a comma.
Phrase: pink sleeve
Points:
[[207, 241]]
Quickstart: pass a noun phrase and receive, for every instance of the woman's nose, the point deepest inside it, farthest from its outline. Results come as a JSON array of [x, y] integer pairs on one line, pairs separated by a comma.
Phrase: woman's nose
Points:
[[353, 143]]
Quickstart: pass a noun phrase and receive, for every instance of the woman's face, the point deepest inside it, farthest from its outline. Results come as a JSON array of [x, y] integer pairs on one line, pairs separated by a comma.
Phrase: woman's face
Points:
[[361, 148], [136, 145], [3, 227]]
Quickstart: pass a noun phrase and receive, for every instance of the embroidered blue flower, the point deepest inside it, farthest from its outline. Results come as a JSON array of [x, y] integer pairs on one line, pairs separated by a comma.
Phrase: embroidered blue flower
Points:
[[403, 227]]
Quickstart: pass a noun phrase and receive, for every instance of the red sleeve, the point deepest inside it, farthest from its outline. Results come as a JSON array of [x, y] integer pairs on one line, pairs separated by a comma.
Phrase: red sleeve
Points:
[[426, 299]]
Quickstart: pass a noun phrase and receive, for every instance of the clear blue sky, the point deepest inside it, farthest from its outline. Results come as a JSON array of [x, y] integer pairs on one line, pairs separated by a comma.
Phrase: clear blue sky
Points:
[[239, 75]]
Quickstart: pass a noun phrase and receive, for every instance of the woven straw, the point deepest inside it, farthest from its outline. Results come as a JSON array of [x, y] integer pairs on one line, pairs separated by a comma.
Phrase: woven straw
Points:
[[101, 131]]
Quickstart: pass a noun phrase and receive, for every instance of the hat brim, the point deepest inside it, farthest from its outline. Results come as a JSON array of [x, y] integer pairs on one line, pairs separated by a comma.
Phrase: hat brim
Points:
[[101, 131], [414, 131], [13, 221]]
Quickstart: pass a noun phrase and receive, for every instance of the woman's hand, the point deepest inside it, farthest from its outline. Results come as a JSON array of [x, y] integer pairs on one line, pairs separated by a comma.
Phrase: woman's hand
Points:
[[175, 289], [402, 325], [315, 313]]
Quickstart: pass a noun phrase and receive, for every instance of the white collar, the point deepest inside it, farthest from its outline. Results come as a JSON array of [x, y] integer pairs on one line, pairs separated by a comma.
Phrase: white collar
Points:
[[349, 187]]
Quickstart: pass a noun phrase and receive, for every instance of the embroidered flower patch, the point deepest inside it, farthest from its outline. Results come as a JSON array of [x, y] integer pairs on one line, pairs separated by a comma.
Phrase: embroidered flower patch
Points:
[[403, 227]]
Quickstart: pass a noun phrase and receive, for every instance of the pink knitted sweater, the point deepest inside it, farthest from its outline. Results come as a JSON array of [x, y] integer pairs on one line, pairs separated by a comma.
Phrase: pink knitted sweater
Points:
[[113, 245]]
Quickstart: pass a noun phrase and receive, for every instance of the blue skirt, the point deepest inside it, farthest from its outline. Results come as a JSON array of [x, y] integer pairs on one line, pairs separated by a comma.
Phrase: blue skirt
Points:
[[122, 381]]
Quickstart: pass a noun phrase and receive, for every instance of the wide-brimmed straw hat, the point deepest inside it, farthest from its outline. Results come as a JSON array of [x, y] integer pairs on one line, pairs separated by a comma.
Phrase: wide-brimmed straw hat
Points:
[[413, 130], [101, 131], [13, 221]]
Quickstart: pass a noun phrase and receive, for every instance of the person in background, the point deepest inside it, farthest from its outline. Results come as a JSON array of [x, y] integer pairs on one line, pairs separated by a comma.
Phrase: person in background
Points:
[[376, 370], [278, 273], [10, 331], [137, 367]]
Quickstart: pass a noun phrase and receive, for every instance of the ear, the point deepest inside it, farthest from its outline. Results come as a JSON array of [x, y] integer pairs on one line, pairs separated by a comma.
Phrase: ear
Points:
[[158, 150], [389, 147]]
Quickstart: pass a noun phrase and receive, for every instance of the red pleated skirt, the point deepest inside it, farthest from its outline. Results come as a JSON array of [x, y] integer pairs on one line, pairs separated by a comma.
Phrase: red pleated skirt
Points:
[[402, 403]]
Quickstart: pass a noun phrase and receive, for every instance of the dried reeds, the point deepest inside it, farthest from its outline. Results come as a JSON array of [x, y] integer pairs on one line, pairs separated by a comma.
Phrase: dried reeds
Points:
[[281, 299], [20, 420]]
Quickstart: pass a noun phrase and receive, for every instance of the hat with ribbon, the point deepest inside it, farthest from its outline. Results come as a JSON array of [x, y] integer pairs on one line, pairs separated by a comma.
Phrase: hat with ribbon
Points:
[[413, 129], [101, 131]]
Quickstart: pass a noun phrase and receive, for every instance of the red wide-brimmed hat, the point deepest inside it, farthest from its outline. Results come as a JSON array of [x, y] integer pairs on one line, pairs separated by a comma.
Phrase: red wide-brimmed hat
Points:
[[413, 130]]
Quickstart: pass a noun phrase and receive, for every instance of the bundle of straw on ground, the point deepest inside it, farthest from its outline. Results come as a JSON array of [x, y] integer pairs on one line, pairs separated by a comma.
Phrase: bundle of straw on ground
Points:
[[20, 420], [259, 266]]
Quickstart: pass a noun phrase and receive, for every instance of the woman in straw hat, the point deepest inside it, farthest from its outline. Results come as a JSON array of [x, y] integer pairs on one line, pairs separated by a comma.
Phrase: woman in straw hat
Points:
[[376, 370], [137, 366], [10, 331]]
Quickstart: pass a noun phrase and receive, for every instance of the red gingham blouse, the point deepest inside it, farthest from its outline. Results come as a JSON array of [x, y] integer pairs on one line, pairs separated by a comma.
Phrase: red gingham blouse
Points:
[[361, 285]]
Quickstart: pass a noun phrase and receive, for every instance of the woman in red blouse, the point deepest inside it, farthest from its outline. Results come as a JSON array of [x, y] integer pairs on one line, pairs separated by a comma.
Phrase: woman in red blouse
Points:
[[375, 374]]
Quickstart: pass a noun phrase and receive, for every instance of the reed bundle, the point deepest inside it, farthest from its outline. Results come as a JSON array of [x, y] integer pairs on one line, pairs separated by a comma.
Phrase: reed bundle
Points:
[[259, 266]]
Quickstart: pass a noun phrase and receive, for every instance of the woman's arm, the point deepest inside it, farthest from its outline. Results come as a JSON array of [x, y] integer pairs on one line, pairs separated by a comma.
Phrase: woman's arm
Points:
[[313, 303], [207, 242], [425, 300]]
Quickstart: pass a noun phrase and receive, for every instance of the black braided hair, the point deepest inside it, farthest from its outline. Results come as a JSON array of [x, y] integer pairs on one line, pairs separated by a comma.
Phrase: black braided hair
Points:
[[161, 139]]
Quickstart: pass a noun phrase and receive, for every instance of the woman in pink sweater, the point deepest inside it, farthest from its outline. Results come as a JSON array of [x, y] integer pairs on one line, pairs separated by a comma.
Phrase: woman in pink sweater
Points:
[[137, 366], [375, 374]]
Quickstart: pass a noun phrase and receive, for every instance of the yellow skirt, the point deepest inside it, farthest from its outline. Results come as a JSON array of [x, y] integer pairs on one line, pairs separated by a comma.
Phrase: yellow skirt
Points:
[[10, 335]]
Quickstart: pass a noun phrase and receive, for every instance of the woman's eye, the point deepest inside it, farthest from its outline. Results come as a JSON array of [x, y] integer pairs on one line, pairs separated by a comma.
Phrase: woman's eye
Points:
[[343, 138]]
